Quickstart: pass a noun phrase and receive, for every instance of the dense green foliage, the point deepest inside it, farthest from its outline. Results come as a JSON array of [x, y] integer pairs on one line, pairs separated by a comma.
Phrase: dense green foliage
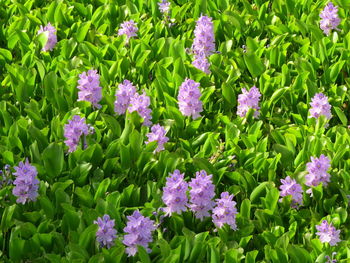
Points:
[[287, 57]]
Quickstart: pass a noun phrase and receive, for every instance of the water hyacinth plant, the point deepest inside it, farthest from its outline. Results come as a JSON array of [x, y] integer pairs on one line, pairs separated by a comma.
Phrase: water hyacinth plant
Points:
[[174, 131], [51, 36]]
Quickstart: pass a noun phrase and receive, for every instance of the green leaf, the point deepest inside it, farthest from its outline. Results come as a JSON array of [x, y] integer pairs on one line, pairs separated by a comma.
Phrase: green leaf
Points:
[[341, 116], [143, 255], [254, 64], [53, 158], [102, 189], [6, 54]]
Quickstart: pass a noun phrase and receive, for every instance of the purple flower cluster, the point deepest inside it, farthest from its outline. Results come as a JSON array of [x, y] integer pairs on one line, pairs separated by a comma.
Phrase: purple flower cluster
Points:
[[164, 7], [329, 18], [89, 86], [201, 194], [188, 99], [75, 128], [225, 211], [123, 96], [328, 233], [141, 103], [291, 187], [157, 134], [320, 106], [203, 43], [317, 171], [202, 63], [129, 29], [174, 193], [26, 183], [51, 36], [139, 232], [106, 234], [249, 100]]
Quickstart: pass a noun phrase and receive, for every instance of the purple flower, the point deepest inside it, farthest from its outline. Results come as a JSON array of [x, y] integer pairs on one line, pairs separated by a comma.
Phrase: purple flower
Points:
[[106, 234], [129, 29], [89, 86], [164, 7], [51, 36], [329, 18], [204, 40], [157, 134], [203, 43], [320, 106], [141, 103], [75, 128], [225, 211], [201, 194], [188, 99], [328, 233], [174, 193], [123, 96], [291, 187], [26, 183], [139, 232], [249, 100], [201, 62], [317, 171]]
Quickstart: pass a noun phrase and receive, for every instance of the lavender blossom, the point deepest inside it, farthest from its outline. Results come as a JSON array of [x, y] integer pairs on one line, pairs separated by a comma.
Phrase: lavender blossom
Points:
[[174, 193], [329, 18], [26, 183], [123, 96], [164, 7], [249, 100], [317, 171], [89, 86], [225, 211], [328, 233], [188, 99], [320, 106], [75, 128], [157, 134], [202, 63], [203, 43], [139, 232], [106, 234], [51, 36], [129, 29], [141, 103], [291, 187], [201, 194]]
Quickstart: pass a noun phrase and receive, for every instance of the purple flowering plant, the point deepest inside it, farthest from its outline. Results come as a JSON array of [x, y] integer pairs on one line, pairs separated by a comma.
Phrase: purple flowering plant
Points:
[[231, 96], [89, 88], [26, 182], [74, 130], [329, 18], [50, 31], [106, 234], [328, 233], [175, 193], [138, 231], [202, 192], [157, 134], [189, 99], [203, 44]]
